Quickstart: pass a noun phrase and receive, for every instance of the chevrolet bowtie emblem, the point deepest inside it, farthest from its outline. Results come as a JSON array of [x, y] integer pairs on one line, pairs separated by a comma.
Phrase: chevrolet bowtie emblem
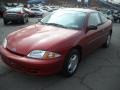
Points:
[[13, 49]]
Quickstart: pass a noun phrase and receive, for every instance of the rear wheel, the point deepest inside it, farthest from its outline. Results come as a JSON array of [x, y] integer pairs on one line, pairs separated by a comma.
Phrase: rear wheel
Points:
[[107, 43], [71, 63], [25, 20], [5, 22]]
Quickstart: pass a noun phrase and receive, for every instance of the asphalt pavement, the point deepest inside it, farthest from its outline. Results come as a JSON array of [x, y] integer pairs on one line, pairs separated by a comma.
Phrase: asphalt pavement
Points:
[[98, 71]]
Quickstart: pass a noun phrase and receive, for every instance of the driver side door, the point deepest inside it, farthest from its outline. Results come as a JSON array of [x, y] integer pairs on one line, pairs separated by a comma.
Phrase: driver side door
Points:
[[93, 38]]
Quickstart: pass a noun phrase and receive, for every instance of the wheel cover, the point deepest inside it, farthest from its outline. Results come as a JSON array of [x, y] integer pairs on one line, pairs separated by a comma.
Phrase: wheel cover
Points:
[[73, 62], [25, 19], [108, 40]]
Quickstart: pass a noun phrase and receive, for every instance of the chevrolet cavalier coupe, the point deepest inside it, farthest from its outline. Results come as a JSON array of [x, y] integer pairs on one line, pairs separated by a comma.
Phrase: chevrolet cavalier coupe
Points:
[[57, 43]]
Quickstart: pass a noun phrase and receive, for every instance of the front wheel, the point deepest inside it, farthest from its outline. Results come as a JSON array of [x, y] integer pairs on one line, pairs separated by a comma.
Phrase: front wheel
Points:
[[71, 63]]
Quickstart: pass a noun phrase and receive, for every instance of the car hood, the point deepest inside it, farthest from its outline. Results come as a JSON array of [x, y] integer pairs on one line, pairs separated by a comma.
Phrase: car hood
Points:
[[37, 37]]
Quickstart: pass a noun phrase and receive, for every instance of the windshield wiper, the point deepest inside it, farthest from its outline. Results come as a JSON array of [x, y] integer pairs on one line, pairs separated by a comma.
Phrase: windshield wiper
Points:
[[58, 25], [55, 24]]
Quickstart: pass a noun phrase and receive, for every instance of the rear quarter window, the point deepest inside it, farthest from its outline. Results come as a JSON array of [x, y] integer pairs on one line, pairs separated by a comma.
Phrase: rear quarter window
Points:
[[103, 18], [94, 19]]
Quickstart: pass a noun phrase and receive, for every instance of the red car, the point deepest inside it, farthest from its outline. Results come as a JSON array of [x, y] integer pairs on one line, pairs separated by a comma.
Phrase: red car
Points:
[[57, 43]]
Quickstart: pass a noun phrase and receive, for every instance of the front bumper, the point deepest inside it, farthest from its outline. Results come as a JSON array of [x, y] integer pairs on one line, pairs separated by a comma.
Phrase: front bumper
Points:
[[31, 66]]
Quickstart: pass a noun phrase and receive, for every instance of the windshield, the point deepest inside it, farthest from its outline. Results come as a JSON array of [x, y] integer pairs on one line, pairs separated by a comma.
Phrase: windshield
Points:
[[66, 19], [14, 10], [35, 9]]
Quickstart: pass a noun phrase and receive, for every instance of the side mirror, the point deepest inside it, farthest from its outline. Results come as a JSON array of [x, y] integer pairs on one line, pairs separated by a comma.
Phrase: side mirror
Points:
[[92, 27]]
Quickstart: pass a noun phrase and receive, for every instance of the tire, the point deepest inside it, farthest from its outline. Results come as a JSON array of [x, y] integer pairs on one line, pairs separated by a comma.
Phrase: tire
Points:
[[115, 19], [25, 20], [5, 22], [14, 22], [107, 43], [71, 63]]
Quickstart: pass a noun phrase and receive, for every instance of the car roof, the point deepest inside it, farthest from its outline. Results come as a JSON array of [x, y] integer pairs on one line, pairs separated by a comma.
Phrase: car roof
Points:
[[79, 9]]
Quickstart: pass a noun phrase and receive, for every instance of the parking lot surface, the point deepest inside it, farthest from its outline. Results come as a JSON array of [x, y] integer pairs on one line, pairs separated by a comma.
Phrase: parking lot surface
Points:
[[98, 71]]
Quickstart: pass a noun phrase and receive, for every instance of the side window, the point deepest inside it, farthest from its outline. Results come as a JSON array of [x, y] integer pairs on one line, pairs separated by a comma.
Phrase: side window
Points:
[[94, 19], [103, 18]]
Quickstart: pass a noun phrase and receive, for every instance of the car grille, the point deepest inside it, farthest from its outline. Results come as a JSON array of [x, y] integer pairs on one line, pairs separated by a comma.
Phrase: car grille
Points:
[[15, 53]]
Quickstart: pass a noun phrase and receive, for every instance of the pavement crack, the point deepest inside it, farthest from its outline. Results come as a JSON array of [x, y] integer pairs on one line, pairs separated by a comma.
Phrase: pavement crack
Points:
[[89, 88], [118, 53], [6, 73], [82, 79], [108, 60], [51, 84]]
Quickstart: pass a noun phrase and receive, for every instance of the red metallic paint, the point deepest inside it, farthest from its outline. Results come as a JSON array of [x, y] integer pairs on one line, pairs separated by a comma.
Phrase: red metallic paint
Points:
[[32, 66], [50, 38]]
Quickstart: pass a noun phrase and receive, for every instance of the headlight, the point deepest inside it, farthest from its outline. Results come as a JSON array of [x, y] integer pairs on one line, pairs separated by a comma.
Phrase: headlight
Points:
[[40, 54], [5, 43]]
